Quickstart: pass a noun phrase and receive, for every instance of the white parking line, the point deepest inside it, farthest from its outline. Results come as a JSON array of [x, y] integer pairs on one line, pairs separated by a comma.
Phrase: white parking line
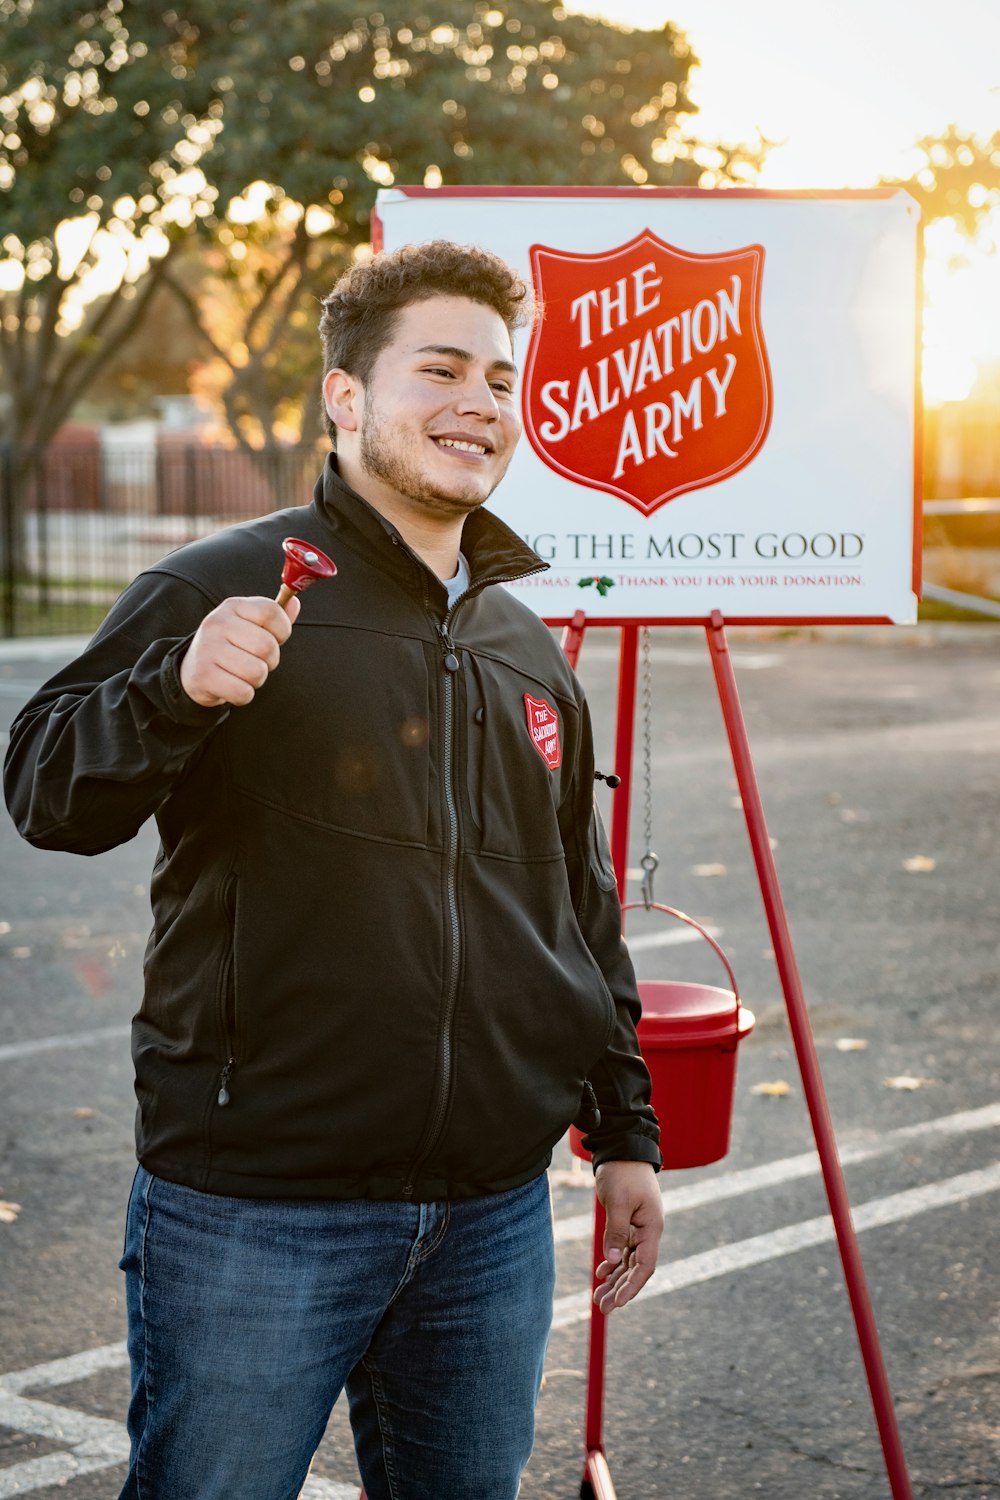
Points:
[[59, 1468], [316, 1488], [63, 1371], [94, 1443], [52, 1043], [791, 1168], [90, 1456], [743, 1254], [43, 648], [669, 937]]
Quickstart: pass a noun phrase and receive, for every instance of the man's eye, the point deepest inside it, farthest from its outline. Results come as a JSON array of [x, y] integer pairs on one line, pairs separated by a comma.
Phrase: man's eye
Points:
[[439, 370], [503, 387]]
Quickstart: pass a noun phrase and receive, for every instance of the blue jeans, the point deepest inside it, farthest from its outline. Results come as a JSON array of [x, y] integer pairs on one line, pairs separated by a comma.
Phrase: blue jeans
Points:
[[247, 1318]]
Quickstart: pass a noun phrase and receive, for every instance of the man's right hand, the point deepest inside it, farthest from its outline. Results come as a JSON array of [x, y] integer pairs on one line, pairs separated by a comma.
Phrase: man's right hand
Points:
[[234, 649]]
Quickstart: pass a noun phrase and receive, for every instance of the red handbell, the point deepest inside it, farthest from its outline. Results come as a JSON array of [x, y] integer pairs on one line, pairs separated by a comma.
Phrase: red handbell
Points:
[[304, 565]]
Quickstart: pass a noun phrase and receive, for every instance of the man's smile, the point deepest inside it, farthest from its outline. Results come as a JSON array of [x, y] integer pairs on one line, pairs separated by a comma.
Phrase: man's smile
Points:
[[476, 446]]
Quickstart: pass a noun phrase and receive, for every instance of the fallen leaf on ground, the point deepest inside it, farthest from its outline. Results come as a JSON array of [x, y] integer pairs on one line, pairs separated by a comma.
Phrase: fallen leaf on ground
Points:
[[75, 937], [707, 870], [776, 1090], [9, 1212], [919, 863], [84, 1113], [854, 815], [20, 953], [850, 1044], [4, 928], [906, 1082]]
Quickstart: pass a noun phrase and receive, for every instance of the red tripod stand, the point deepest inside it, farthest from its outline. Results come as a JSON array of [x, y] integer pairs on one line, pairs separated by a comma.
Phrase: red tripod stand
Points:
[[597, 1483]]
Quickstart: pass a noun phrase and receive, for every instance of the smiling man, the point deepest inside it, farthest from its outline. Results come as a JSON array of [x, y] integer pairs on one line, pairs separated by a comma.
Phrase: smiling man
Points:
[[386, 969]]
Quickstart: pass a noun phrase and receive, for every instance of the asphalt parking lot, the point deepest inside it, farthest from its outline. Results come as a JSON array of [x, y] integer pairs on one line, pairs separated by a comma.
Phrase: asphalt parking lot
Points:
[[878, 753]]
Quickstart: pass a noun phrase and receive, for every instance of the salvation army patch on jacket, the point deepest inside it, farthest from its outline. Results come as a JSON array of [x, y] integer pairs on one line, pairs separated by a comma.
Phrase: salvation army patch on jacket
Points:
[[543, 726]]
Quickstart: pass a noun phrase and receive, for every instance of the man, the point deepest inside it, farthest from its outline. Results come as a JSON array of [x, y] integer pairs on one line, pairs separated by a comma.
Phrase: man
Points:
[[386, 969]]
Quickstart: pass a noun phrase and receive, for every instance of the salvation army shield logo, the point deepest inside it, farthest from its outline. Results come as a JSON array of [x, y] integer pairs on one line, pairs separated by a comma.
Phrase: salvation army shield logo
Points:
[[543, 726], [647, 374]]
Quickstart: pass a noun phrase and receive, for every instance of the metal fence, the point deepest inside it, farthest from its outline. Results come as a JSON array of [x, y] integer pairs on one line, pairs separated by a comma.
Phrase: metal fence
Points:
[[79, 522]]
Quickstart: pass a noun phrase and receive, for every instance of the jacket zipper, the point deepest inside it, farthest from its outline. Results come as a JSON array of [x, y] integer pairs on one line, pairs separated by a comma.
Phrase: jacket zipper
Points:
[[433, 1132]]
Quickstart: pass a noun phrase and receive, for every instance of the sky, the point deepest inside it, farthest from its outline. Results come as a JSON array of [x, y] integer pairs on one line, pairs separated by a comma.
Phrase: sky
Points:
[[845, 88]]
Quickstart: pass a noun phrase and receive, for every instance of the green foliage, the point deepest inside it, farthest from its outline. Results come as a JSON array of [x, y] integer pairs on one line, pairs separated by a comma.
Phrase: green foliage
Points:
[[144, 121], [958, 179], [324, 102], [99, 104]]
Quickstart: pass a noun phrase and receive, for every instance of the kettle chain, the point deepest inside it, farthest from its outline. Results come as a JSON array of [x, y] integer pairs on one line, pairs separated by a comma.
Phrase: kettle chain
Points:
[[649, 861]]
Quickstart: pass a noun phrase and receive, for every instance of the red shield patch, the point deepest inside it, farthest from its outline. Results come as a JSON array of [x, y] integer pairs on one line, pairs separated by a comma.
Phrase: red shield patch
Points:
[[648, 375], [543, 726]]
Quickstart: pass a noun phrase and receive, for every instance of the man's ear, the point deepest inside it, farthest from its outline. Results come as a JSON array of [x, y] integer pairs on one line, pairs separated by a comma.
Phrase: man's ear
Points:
[[342, 397]]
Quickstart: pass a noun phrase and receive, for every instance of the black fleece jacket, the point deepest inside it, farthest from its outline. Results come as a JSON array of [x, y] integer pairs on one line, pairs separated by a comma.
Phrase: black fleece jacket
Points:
[[386, 959]]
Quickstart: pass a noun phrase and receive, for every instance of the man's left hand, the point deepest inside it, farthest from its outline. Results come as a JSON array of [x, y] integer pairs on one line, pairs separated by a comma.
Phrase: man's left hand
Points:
[[631, 1198]]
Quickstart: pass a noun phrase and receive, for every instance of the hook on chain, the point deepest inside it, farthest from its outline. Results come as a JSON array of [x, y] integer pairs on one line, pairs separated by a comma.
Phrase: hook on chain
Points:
[[649, 864]]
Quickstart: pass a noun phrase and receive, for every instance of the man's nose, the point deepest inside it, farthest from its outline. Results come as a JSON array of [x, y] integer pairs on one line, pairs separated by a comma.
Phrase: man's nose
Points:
[[478, 397]]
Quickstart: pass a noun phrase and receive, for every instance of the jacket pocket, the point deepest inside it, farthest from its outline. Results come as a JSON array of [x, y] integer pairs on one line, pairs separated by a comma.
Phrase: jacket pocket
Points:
[[522, 748], [226, 994]]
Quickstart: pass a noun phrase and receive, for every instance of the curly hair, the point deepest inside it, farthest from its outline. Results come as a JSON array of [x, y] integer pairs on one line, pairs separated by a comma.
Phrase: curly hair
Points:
[[360, 313]]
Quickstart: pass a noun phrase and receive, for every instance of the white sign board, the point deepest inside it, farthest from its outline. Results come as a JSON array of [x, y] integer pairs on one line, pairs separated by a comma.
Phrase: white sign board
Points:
[[720, 399]]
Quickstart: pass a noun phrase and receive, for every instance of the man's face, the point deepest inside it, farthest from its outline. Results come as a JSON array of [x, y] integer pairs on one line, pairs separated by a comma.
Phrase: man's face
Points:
[[438, 420]]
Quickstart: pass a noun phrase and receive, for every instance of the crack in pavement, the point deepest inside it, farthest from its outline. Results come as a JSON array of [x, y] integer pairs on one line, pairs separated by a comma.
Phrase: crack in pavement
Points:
[[782, 1437]]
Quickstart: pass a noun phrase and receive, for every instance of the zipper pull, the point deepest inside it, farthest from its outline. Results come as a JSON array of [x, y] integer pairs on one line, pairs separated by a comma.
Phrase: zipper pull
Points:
[[223, 1082], [451, 662]]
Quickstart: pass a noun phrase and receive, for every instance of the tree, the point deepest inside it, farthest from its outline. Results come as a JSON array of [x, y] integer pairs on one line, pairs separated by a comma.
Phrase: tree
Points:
[[958, 178], [261, 131], [519, 93], [103, 125]]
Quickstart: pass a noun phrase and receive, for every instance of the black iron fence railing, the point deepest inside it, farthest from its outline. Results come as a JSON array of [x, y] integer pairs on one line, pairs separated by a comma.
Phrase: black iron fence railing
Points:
[[77, 523]]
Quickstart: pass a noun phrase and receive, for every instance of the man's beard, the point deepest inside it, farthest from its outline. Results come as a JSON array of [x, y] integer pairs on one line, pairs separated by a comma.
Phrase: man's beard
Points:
[[406, 478]]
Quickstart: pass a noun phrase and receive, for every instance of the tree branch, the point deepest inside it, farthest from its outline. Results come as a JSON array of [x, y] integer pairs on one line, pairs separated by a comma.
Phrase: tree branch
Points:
[[297, 251], [46, 334], [8, 339], [68, 388], [278, 326], [190, 307], [58, 287]]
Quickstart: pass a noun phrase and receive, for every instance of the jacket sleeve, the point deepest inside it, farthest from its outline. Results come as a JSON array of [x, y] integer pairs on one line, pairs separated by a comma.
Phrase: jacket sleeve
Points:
[[97, 749], [628, 1130]]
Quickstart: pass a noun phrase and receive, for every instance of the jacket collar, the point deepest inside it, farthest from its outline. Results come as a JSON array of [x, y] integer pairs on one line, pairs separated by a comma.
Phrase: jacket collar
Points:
[[494, 552]]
